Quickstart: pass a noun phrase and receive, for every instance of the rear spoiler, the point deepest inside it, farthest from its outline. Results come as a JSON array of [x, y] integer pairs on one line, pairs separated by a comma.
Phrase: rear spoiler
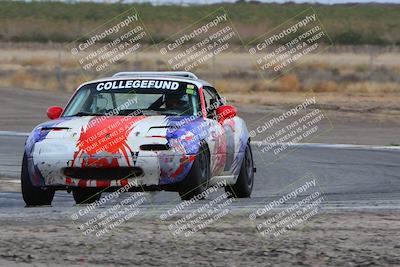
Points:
[[184, 74]]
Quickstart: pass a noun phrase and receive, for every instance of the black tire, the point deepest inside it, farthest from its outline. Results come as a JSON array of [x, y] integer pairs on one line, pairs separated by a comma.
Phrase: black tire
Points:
[[198, 178], [32, 195], [244, 184], [86, 195]]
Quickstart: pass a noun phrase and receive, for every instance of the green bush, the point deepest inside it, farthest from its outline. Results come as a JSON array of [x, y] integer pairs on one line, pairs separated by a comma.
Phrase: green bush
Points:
[[63, 22]]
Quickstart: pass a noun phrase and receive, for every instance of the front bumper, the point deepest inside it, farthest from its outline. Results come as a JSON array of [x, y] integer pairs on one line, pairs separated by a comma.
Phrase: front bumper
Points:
[[53, 169]]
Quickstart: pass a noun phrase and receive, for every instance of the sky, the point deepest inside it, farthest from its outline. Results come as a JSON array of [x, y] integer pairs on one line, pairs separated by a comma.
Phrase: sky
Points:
[[186, 2]]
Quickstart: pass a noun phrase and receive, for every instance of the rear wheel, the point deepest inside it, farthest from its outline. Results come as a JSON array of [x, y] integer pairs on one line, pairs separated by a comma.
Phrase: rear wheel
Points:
[[244, 184], [86, 195], [197, 180], [32, 195]]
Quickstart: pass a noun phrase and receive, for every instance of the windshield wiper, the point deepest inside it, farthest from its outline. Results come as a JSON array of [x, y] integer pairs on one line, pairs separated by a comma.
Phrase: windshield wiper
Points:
[[170, 113], [86, 113]]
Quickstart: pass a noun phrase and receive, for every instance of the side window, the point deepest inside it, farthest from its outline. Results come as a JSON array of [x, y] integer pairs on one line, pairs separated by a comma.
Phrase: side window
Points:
[[212, 100], [207, 98]]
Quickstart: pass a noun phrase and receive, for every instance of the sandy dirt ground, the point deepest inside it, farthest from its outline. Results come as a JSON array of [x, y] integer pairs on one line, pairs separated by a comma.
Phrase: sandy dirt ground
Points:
[[332, 239]]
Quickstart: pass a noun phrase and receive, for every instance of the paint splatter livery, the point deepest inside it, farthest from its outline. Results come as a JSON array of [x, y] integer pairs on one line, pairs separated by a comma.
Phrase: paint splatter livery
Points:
[[153, 150]]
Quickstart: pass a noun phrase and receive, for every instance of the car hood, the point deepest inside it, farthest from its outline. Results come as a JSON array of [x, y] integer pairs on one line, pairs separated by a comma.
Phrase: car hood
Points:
[[140, 126], [92, 134]]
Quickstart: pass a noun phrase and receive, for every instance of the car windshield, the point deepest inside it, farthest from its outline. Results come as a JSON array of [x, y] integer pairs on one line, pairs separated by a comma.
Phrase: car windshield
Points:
[[135, 98]]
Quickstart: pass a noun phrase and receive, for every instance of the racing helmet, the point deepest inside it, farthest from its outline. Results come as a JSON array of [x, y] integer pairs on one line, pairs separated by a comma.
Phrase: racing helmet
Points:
[[176, 101]]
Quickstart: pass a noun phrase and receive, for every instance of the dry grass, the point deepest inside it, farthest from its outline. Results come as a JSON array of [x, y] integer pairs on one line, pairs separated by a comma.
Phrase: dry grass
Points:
[[371, 88], [52, 69], [325, 86], [23, 79], [289, 83], [36, 61]]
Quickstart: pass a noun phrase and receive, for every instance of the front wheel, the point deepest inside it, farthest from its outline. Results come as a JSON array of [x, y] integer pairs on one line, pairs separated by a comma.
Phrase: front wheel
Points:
[[86, 195], [197, 180], [244, 184], [32, 195]]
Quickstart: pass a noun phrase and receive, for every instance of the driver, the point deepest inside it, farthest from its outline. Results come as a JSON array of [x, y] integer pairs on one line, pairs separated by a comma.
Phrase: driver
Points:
[[176, 103]]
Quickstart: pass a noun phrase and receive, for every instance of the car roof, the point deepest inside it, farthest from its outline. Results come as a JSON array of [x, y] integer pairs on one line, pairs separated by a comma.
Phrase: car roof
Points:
[[181, 76]]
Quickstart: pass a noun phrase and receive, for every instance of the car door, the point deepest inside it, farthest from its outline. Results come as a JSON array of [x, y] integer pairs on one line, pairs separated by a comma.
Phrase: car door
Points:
[[222, 135]]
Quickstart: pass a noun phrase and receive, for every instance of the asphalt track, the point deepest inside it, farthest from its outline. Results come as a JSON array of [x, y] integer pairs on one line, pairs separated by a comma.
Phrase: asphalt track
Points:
[[350, 177]]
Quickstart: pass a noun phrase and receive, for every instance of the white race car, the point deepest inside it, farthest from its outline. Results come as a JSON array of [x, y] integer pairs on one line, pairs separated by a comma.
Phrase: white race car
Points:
[[151, 130]]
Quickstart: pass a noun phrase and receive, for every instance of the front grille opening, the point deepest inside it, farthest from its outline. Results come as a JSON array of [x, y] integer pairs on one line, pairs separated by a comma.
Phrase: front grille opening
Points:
[[102, 173], [153, 147]]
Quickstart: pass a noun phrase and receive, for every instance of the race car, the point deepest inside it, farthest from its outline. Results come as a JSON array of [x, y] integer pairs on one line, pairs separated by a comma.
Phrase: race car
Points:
[[151, 130]]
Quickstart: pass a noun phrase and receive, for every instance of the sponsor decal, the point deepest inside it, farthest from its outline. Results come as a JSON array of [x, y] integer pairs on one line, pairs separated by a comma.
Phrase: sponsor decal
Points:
[[138, 84], [190, 89]]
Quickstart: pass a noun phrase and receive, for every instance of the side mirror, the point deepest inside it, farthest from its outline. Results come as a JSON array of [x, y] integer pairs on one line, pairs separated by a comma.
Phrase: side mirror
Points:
[[225, 112], [54, 112]]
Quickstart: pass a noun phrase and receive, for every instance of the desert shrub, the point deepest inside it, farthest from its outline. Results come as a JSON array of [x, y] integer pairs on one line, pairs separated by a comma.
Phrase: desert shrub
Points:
[[289, 83], [325, 86]]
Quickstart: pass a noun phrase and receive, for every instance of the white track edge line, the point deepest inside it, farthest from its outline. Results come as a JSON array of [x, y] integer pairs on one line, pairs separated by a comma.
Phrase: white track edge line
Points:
[[12, 133], [335, 146]]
